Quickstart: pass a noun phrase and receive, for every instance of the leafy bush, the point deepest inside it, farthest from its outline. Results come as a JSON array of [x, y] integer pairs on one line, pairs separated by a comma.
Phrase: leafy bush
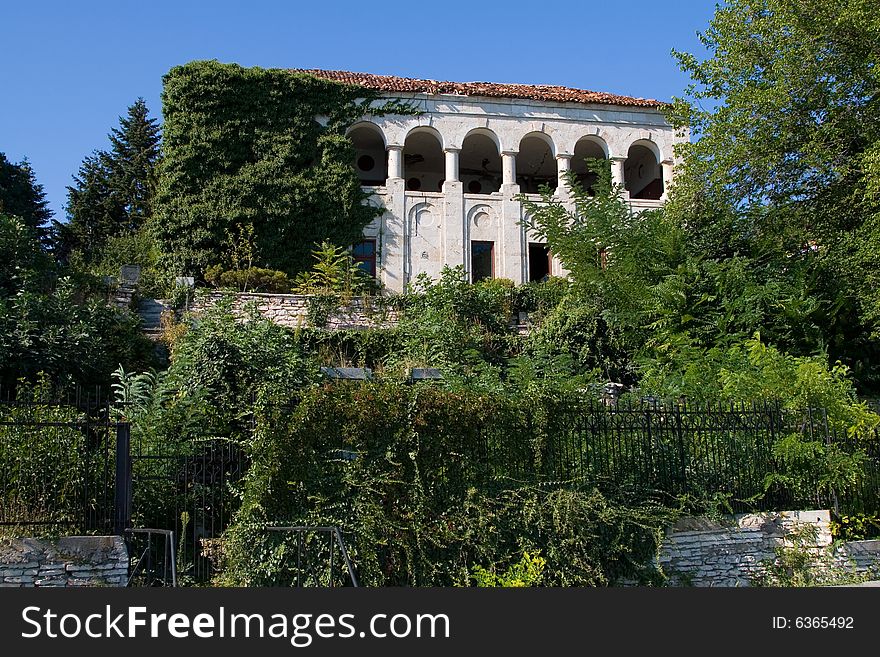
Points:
[[856, 527], [233, 361], [334, 273], [402, 471], [756, 371], [527, 572], [254, 279]]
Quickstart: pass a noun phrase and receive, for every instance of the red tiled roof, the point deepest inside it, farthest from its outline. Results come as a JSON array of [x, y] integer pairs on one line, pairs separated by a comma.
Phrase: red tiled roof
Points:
[[544, 92]]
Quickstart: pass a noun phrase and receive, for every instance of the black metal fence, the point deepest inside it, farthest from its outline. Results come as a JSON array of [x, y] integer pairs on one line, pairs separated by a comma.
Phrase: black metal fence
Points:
[[74, 467], [729, 451], [58, 466], [71, 467], [187, 488]]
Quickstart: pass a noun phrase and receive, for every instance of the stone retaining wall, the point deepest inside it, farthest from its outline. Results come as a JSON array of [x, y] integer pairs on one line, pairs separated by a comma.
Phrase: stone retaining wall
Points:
[[292, 310], [730, 552], [68, 561], [864, 555]]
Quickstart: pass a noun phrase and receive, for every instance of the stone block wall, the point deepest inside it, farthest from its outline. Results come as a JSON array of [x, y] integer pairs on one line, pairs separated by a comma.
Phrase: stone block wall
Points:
[[704, 552], [67, 561], [292, 310], [863, 555]]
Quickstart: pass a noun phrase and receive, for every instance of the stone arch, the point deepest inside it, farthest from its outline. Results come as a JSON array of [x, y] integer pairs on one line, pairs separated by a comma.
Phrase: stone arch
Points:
[[536, 163], [370, 160], [642, 173], [587, 147], [422, 216], [651, 145], [481, 217], [479, 163], [424, 164]]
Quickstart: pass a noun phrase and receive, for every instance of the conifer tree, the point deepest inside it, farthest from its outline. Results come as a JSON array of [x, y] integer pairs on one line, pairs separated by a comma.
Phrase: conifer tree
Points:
[[22, 197], [132, 162], [113, 191]]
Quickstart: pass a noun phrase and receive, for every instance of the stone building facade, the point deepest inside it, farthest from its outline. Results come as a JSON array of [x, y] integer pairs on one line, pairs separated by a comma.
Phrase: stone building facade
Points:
[[448, 177]]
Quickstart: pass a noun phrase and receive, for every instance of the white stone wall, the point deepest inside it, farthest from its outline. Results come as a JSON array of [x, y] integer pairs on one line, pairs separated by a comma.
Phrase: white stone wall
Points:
[[68, 561], [705, 552], [292, 310], [421, 231]]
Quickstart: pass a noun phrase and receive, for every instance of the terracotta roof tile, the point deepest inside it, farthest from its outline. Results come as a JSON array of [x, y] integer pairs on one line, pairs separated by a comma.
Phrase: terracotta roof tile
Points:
[[542, 92]]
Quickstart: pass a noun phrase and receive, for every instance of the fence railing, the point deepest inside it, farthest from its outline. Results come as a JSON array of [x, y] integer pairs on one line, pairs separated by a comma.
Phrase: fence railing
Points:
[[317, 556], [58, 467], [677, 450], [72, 468]]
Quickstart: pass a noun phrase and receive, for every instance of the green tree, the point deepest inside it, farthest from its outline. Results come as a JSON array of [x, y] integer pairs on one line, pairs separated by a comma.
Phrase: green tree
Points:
[[133, 160], [22, 196], [49, 327], [784, 170], [791, 97], [112, 194]]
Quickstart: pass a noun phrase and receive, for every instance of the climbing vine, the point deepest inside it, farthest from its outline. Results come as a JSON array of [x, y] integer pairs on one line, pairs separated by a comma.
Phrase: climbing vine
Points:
[[261, 147]]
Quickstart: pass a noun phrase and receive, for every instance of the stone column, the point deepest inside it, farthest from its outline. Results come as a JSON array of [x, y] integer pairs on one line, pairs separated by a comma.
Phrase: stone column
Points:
[[453, 229], [667, 177], [508, 169], [395, 161], [452, 164], [512, 265], [617, 174], [563, 165]]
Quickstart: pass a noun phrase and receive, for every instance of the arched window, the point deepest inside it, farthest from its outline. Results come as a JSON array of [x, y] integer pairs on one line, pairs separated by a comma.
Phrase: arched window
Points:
[[479, 165], [587, 148], [642, 175], [370, 160], [535, 164], [424, 165]]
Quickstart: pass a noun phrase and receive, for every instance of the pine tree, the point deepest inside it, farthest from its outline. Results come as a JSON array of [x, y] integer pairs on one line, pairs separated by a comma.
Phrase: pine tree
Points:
[[113, 191], [132, 161], [95, 211], [21, 196]]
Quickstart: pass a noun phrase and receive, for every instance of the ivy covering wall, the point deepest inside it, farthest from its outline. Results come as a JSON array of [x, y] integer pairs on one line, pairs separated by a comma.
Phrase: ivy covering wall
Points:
[[263, 148]]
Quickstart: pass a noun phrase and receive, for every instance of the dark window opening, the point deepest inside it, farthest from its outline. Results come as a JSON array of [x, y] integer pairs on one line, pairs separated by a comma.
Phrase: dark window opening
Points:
[[423, 161], [364, 256], [539, 261], [643, 177], [482, 261], [371, 161], [535, 165], [480, 164]]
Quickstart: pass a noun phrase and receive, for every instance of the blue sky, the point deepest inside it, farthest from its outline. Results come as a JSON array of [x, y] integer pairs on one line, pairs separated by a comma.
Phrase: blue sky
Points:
[[69, 69]]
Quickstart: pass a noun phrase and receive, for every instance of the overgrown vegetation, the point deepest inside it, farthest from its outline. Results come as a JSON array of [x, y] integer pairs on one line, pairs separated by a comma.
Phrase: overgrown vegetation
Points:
[[399, 469], [50, 326], [268, 159], [755, 284]]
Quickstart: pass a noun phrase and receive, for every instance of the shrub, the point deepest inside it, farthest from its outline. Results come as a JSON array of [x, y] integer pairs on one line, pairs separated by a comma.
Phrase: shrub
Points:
[[254, 279], [403, 472]]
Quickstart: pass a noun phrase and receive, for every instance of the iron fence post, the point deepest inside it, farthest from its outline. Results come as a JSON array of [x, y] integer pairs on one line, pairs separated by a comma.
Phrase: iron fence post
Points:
[[122, 485], [828, 444]]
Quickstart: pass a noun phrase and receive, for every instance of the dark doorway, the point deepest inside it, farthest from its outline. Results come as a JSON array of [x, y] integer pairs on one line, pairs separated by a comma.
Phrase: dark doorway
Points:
[[539, 261], [482, 261]]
